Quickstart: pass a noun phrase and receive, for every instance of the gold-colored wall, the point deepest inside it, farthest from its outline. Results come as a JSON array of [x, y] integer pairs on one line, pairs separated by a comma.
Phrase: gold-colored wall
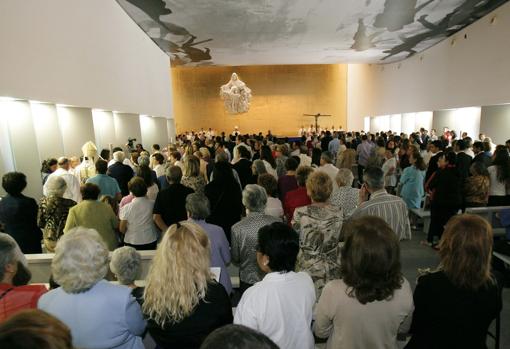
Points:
[[281, 95]]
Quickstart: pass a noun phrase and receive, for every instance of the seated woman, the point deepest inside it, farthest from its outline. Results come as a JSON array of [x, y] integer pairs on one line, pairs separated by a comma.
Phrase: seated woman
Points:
[[181, 316], [15, 294], [372, 302], [274, 205], [319, 226], [345, 196], [18, 213], [53, 211], [35, 329], [476, 186], [197, 206], [281, 305], [455, 305], [125, 265], [93, 214], [136, 221], [99, 313]]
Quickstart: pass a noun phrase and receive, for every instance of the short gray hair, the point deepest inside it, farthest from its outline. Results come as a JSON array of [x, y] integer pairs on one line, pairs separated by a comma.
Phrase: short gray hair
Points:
[[81, 260], [344, 177], [260, 168], [144, 161], [8, 255], [254, 198], [118, 156], [125, 264], [327, 156], [197, 206], [221, 156], [374, 177], [56, 186]]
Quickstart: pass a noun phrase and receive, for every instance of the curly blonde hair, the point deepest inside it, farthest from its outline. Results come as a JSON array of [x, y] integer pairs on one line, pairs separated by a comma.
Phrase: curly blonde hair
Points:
[[179, 274]]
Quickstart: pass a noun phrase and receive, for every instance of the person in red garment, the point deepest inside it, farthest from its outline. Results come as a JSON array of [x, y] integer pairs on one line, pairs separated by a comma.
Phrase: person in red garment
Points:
[[297, 197], [15, 294]]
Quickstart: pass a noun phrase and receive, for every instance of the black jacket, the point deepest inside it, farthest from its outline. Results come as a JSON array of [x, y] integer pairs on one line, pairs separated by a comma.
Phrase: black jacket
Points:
[[123, 174]]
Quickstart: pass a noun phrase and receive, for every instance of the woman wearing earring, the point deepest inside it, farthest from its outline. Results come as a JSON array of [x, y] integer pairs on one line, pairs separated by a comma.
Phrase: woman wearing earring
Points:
[[280, 306]]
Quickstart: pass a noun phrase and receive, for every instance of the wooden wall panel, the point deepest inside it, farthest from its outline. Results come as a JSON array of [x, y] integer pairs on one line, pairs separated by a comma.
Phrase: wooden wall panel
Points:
[[281, 95]]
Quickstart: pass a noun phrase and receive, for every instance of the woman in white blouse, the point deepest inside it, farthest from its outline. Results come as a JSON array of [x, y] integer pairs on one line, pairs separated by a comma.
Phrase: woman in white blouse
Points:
[[499, 172], [136, 221], [281, 305], [389, 168]]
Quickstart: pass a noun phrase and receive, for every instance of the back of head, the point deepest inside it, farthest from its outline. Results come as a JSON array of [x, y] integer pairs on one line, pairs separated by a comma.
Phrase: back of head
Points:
[[280, 243], [159, 158], [243, 152], [182, 260], [192, 166], [144, 172], [197, 206], [465, 250], [8, 253], [56, 186], [89, 191], [137, 187], [374, 177], [461, 145], [30, 329], [344, 177], [327, 157], [63, 162], [269, 183], [118, 156], [173, 174], [259, 166], [370, 260], [237, 337], [222, 173], [319, 186], [254, 198], [302, 174], [80, 261], [125, 264], [14, 183], [143, 160], [501, 159], [101, 166]]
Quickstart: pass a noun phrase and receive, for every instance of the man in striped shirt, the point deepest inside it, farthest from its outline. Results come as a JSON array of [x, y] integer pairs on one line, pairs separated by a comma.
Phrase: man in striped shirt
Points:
[[375, 201]]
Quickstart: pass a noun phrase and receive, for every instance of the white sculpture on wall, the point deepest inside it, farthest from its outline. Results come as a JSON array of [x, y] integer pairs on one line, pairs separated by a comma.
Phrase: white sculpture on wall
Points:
[[236, 95]]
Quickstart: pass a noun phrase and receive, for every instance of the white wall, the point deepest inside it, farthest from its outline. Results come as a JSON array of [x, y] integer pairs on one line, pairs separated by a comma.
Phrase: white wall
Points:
[[86, 53], [495, 122], [472, 72]]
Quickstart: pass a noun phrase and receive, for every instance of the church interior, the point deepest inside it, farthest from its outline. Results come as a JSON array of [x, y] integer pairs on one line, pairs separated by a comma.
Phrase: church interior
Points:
[[158, 71]]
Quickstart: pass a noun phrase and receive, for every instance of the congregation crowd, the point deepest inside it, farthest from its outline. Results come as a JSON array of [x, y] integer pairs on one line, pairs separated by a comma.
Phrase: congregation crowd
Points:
[[313, 223]]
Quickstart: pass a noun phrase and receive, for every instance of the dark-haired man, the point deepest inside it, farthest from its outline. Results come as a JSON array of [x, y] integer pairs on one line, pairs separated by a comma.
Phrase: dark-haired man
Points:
[[106, 184]]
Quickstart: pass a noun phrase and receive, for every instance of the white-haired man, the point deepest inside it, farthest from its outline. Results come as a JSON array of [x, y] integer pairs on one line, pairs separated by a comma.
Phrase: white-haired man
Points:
[[73, 185], [122, 173]]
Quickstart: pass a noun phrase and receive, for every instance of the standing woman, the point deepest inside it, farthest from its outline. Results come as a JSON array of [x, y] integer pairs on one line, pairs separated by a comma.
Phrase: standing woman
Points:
[[48, 167], [319, 225], [192, 178], [267, 157], [411, 181], [224, 194], [372, 302], [455, 305], [476, 186], [181, 316], [53, 211], [18, 213], [445, 188], [499, 191]]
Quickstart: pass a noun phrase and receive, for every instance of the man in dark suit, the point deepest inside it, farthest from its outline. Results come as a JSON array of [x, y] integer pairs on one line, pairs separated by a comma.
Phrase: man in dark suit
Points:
[[122, 173], [436, 148], [463, 161], [243, 166], [480, 155], [423, 139], [170, 204]]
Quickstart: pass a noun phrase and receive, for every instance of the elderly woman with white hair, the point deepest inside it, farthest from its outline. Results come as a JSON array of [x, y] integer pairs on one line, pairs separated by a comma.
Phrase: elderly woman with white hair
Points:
[[244, 235], [125, 265], [197, 206], [53, 211], [345, 196], [99, 313]]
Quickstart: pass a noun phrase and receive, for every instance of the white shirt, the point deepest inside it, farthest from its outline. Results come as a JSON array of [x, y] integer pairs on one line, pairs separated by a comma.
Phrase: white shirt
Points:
[[280, 306], [496, 188], [126, 161], [390, 180], [160, 170], [274, 207], [73, 185], [331, 170], [270, 169], [140, 228], [305, 160]]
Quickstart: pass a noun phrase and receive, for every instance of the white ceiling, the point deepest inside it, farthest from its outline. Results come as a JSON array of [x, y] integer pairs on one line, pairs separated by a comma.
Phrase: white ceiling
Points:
[[249, 32]]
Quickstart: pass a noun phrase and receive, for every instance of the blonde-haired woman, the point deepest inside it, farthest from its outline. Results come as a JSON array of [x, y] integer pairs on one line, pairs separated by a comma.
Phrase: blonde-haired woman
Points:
[[192, 178], [182, 302]]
